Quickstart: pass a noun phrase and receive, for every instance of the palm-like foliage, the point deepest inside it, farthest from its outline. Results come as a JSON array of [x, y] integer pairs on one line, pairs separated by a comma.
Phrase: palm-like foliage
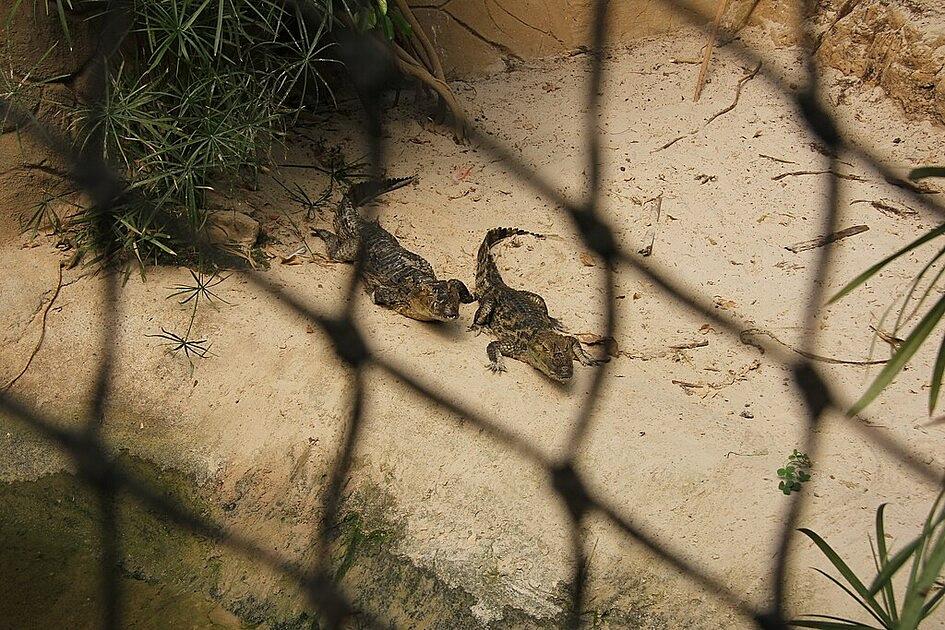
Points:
[[924, 587]]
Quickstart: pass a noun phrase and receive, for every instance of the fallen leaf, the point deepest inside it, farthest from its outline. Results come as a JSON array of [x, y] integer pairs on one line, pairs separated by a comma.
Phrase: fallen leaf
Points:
[[706, 329], [586, 260], [461, 173], [724, 303], [295, 258]]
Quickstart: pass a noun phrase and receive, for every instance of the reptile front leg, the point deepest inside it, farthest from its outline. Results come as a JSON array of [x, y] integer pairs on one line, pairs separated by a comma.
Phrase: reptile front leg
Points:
[[483, 314], [495, 351], [581, 354], [387, 296]]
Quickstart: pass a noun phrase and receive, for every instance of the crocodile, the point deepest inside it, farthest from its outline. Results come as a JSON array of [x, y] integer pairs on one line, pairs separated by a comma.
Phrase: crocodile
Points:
[[520, 321], [394, 276]]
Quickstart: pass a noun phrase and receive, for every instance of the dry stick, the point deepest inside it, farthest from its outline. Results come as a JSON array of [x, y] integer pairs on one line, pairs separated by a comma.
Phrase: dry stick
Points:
[[826, 239], [834, 172], [655, 212], [42, 334], [771, 157], [709, 45], [887, 208], [746, 338], [738, 92]]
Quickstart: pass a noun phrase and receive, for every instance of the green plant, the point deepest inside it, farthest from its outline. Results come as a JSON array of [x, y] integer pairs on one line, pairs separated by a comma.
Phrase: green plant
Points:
[[201, 91], [201, 288], [795, 472], [909, 308], [924, 587]]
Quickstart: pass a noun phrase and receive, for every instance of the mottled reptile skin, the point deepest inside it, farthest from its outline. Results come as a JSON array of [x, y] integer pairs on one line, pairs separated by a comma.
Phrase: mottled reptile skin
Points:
[[396, 277], [520, 321]]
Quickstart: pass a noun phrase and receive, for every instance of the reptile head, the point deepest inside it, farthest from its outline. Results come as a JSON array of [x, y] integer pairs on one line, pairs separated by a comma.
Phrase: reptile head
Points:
[[551, 354], [437, 301]]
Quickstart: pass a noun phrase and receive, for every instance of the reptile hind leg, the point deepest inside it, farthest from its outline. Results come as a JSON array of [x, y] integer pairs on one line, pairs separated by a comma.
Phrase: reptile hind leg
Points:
[[339, 249]]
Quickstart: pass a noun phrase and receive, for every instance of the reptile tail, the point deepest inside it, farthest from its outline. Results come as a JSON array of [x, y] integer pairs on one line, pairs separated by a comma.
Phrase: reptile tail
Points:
[[487, 274], [364, 192]]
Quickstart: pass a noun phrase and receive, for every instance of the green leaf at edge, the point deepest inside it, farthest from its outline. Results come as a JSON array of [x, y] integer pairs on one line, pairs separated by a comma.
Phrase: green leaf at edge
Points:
[[884, 561], [847, 574], [937, 372], [926, 171], [908, 348], [866, 275]]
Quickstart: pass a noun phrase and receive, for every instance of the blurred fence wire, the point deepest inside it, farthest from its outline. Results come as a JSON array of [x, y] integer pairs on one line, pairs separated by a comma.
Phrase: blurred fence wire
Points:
[[374, 75]]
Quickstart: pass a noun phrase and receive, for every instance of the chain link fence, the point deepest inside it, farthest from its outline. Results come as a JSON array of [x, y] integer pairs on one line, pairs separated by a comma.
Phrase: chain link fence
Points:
[[374, 77]]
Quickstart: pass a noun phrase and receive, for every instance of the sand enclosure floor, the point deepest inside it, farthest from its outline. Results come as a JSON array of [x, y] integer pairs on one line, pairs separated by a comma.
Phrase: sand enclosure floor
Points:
[[684, 441]]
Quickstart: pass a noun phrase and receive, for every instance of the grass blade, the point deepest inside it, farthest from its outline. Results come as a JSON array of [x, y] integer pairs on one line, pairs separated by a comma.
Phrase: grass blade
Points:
[[914, 603], [869, 273], [937, 372], [883, 580], [868, 600], [909, 347], [888, 593], [830, 625], [934, 601]]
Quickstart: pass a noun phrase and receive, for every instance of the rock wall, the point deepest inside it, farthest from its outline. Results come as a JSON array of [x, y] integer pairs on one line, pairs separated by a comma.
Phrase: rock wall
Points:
[[897, 46], [481, 36]]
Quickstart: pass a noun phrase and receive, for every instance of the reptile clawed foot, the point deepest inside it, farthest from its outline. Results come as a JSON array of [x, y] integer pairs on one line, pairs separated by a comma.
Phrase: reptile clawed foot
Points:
[[496, 367]]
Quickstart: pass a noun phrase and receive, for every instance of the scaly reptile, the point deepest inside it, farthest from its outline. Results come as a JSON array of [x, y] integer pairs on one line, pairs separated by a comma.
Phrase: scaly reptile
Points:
[[396, 277], [520, 320]]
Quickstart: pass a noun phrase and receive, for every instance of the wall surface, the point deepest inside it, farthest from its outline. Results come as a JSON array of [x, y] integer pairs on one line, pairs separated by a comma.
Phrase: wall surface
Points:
[[481, 36]]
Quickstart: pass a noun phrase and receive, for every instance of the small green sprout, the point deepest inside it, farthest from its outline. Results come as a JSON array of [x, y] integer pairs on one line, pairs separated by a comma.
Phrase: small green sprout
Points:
[[794, 473]]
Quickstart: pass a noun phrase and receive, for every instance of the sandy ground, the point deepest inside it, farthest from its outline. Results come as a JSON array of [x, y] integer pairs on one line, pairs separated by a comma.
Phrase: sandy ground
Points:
[[259, 421]]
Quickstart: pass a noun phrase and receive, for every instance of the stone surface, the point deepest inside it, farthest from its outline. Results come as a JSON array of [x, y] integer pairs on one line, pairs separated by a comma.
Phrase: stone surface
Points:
[[229, 228], [899, 49]]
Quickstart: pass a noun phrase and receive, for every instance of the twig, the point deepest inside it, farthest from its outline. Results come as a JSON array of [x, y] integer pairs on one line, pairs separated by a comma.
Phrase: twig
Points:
[[893, 341], [745, 338], [673, 350], [733, 377], [42, 333], [709, 45], [835, 173], [887, 208], [738, 92], [674, 141], [820, 241], [771, 157], [655, 211]]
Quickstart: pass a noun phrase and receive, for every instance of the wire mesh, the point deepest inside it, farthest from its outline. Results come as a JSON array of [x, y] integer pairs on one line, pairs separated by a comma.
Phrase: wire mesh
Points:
[[375, 74]]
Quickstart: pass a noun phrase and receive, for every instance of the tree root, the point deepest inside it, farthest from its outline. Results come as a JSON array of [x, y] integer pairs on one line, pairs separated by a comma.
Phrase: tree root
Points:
[[42, 334], [416, 58]]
